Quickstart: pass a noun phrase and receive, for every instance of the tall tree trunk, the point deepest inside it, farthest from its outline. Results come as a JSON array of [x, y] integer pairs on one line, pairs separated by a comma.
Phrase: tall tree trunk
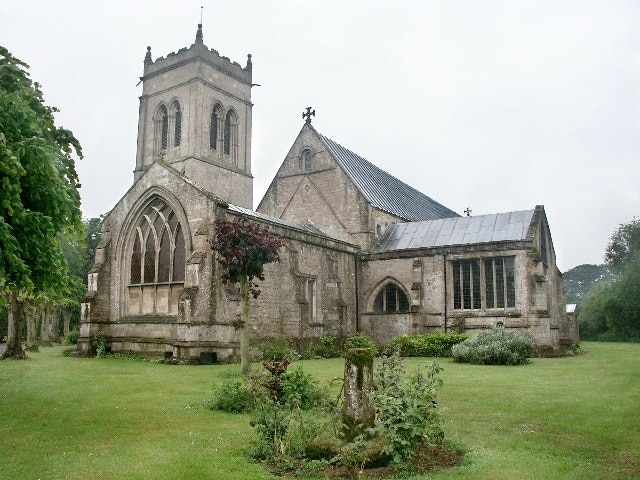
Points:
[[66, 318], [54, 325], [32, 330], [245, 360], [14, 335], [45, 339]]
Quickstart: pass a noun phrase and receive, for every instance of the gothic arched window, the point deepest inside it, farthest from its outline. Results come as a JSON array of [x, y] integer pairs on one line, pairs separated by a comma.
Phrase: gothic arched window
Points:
[[307, 160], [162, 125], [157, 267], [230, 135], [391, 299], [214, 126], [177, 124]]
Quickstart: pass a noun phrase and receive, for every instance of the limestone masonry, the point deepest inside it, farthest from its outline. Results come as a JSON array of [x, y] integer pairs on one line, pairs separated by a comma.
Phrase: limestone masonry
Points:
[[362, 250]]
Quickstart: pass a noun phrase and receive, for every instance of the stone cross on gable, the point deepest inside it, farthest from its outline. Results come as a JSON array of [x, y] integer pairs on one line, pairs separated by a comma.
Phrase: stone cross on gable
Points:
[[468, 212], [308, 114]]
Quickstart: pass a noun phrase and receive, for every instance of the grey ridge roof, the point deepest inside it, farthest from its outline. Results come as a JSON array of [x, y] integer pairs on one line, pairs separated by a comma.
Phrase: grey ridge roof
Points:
[[384, 191], [498, 227], [306, 227]]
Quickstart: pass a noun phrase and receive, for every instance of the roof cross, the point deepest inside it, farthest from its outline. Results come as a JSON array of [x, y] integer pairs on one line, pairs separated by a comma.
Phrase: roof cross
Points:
[[468, 212], [308, 114]]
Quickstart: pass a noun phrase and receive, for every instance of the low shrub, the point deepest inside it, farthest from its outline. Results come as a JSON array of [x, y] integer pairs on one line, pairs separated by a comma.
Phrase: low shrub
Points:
[[71, 338], [430, 345], [495, 347], [68, 351], [99, 344], [359, 340], [277, 350], [234, 395], [299, 390], [327, 347]]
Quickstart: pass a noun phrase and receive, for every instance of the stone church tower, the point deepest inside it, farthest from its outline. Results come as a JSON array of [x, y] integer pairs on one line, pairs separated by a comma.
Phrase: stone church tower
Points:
[[195, 114]]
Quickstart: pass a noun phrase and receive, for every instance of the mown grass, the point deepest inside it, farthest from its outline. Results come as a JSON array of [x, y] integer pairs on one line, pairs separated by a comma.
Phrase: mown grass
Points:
[[70, 418]]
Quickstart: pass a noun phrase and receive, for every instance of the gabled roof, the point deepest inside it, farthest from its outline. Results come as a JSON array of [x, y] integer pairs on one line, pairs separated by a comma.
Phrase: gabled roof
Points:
[[498, 227], [305, 227], [384, 191]]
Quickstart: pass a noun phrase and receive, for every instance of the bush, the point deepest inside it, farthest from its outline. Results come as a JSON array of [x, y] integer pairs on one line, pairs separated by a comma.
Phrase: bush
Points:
[[300, 391], [68, 351], [358, 340], [430, 345], [277, 351], [495, 347], [99, 344], [71, 338], [406, 409], [327, 347], [234, 395]]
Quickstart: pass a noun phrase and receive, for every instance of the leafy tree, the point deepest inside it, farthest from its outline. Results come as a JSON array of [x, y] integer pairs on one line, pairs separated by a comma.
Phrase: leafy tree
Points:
[[39, 197], [623, 245], [611, 311], [243, 249], [579, 280]]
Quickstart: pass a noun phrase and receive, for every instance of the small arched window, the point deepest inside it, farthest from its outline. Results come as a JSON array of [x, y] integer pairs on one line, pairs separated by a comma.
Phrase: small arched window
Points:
[[391, 299], [162, 122], [157, 262], [307, 160], [177, 124], [230, 134], [214, 126]]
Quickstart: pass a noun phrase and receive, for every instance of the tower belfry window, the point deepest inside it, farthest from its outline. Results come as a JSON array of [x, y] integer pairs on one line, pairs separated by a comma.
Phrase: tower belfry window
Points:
[[213, 128], [177, 127], [230, 136], [164, 127]]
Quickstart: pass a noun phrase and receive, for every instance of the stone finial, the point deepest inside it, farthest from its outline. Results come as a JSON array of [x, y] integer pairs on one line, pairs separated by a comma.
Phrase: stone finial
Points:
[[249, 63], [199, 34], [147, 57]]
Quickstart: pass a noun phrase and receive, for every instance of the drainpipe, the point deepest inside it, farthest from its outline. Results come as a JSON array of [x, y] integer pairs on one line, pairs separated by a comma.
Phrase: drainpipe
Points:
[[356, 266], [444, 256]]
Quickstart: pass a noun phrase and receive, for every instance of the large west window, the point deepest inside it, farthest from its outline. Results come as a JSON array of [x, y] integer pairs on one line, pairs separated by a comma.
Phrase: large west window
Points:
[[484, 283], [157, 262], [391, 299]]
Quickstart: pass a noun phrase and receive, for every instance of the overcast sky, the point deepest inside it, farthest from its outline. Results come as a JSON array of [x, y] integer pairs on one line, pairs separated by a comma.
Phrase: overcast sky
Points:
[[492, 105]]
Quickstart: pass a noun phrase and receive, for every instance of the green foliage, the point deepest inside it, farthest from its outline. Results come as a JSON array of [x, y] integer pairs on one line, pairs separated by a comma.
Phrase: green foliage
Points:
[[624, 245], [71, 338], [98, 344], [611, 312], [579, 280], [277, 350], [406, 409], [68, 351], [234, 395], [359, 340], [39, 198], [300, 391], [430, 345], [327, 347], [497, 346]]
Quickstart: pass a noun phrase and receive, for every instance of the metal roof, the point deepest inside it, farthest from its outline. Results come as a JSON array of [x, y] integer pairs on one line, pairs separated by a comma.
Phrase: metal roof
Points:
[[306, 227], [497, 227], [384, 191]]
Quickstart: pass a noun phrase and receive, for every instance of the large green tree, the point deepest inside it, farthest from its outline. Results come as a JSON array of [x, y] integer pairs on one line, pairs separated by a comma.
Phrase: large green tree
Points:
[[243, 250], [39, 197], [611, 310]]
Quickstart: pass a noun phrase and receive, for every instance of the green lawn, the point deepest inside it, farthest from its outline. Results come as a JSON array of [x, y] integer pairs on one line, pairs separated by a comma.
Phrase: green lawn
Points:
[[69, 418]]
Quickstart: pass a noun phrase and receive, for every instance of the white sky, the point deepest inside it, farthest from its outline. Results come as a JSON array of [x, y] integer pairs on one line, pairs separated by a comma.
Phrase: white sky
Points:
[[496, 105]]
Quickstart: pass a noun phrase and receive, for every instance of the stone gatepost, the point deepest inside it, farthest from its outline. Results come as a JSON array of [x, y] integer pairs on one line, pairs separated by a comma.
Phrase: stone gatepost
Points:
[[358, 412]]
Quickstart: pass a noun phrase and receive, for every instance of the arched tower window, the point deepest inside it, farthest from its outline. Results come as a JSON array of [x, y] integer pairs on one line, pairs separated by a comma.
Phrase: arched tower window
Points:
[[230, 136], [162, 127], [214, 127], [177, 123], [391, 299], [157, 267]]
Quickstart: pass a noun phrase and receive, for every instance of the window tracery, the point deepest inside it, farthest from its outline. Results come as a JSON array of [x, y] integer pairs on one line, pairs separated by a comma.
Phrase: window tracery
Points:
[[157, 262], [391, 299]]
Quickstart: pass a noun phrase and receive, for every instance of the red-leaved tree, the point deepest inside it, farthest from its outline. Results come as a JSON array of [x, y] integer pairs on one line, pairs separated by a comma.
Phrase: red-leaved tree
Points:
[[243, 249]]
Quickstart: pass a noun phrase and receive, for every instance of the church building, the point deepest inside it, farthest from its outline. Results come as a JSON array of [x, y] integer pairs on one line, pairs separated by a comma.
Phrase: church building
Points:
[[363, 251]]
